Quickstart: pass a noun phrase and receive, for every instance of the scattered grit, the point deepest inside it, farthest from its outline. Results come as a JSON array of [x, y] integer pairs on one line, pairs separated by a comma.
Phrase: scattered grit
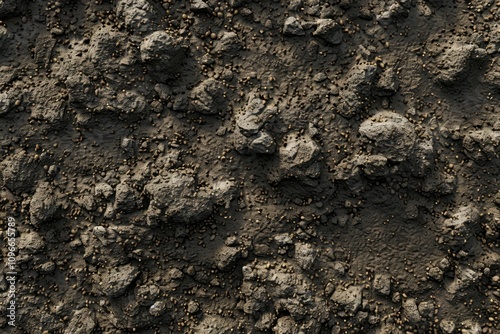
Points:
[[304, 166]]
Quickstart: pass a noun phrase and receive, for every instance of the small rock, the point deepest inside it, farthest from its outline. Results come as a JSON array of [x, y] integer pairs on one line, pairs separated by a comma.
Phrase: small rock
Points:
[[320, 77], [339, 268], [396, 297], [265, 321], [231, 241], [215, 282], [292, 27], [263, 144], [193, 307], [382, 284], [350, 299], [254, 116], [164, 91], [286, 325], [6, 103], [137, 14], [103, 190], [351, 174], [357, 84], [393, 135], [387, 84], [53, 171], [181, 102], [146, 294], [392, 11], [229, 44], [360, 78], [283, 239], [457, 227], [226, 257], [117, 280], [44, 48], [199, 6], [373, 165], [126, 199], [104, 43], [191, 270], [297, 159], [262, 250], [82, 322], [46, 268], [305, 254], [31, 242], [426, 309], [130, 104], [444, 264], [410, 311], [110, 211], [44, 205], [422, 159], [129, 145], [174, 274], [158, 308], [162, 54], [208, 97], [297, 310], [19, 173], [329, 30], [436, 273], [454, 62], [447, 326], [99, 231], [464, 277], [174, 196], [86, 202], [482, 145]]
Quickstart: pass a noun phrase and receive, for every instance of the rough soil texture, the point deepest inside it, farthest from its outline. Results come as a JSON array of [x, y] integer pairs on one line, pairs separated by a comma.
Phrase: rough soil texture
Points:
[[301, 166]]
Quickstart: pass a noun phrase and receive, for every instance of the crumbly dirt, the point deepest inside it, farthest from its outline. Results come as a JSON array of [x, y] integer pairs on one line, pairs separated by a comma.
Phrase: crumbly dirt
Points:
[[301, 166]]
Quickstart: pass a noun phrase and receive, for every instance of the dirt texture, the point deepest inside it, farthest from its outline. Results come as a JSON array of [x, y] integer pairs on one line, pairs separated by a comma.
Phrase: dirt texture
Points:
[[304, 166]]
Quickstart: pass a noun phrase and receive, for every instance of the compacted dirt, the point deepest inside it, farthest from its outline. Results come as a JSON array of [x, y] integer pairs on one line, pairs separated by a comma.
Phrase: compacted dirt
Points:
[[304, 166]]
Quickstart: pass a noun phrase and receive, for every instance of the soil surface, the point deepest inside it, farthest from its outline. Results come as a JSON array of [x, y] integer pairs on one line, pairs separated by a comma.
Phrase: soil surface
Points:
[[304, 166]]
